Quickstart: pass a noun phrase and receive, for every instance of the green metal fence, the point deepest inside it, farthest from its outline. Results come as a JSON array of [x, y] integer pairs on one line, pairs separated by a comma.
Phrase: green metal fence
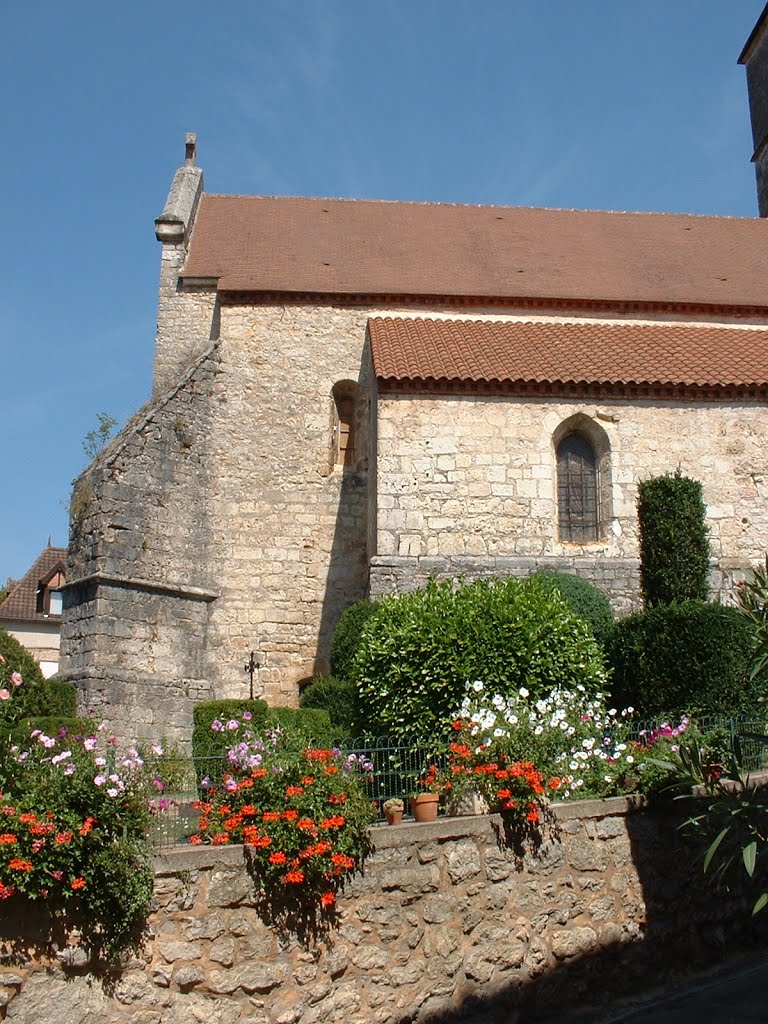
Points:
[[398, 764]]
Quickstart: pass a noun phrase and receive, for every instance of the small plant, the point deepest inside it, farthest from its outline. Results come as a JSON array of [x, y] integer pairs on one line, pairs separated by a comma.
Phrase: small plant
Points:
[[733, 822], [674, 540], [752, 601], [392, 805], [96, 439]]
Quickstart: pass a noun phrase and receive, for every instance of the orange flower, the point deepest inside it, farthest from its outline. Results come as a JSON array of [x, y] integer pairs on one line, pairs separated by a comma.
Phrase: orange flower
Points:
[[232, 823], [337, 798], [17, 864], [504, 794], [63, 838], [336, 821], [555, 783], [270, 816], [318, 755], [245, 784], [343, 860], [221, 839], [258, 773], [328, 898], [6, 891], [331, 769], [7, 838], [305, 823], [294, 877], [457, 725], [254, 839], [532, 815], [86, 827], [78, 883], [293, 791], [27, 818], [307, 780], [290, 815], [248, 809], [196, 840], [277, 858]]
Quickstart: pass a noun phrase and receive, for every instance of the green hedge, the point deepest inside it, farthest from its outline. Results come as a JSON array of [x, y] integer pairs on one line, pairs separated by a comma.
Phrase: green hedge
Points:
[[583, 598], [339, 698], [307, 724], [674, 540], [416, 657], [346, 637], [689, 657], [52, 724]]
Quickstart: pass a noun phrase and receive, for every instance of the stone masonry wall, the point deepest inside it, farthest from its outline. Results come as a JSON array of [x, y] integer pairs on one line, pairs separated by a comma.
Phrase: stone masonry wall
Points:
[[447, 922], [140, 579], [471, 480]]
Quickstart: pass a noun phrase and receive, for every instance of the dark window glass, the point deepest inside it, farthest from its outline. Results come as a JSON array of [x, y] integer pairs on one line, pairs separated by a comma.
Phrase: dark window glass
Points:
[[577, 490]]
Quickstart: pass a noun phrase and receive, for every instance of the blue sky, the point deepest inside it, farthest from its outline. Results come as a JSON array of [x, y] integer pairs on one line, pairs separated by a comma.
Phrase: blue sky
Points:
[[600, 104]]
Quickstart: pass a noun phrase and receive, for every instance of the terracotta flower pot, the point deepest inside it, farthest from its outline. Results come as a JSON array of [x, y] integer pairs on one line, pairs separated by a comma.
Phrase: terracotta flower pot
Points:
[[424, 806], [394, 817]]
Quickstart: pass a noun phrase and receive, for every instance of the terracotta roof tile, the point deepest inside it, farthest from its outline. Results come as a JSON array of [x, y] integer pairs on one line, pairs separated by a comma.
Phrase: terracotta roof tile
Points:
[[488, 351], [21, 603], [360, 247]]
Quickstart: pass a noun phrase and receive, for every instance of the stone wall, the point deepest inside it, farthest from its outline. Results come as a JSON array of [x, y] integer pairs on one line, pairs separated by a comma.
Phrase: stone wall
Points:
[[474, 477], [448, 921]]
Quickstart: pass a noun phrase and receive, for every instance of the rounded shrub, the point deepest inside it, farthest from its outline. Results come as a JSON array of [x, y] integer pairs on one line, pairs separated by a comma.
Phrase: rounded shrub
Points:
[[346, 637], [339, 698], [413, 662], [690, 657], [583, 598]]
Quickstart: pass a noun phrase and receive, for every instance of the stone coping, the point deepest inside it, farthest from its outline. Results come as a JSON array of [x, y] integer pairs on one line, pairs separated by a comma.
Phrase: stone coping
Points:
[[388, 837]]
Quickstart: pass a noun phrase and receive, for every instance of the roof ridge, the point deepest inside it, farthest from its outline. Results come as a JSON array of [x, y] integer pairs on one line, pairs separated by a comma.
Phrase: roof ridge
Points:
[[483, 206]]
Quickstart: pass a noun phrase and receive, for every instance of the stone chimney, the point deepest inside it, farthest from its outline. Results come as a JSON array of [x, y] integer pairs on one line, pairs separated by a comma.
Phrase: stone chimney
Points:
[[185, 315], [755, 58]]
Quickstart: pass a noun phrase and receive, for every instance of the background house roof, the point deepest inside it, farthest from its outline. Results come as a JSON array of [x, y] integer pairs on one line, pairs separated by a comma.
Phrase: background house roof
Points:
[[359, 247], [21, 603], [491, 351]]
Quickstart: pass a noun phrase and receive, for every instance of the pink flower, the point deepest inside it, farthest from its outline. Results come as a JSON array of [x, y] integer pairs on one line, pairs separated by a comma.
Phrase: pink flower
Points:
[[230, 785], [5, 694], [16, 678]]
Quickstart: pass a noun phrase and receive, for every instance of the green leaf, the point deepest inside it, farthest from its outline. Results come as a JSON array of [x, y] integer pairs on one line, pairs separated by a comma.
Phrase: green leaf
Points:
[[749, 853], [760, 903], [713, 848]]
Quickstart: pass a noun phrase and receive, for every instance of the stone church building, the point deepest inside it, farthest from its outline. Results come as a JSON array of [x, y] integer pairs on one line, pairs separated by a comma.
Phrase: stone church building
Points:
[[352, 396]]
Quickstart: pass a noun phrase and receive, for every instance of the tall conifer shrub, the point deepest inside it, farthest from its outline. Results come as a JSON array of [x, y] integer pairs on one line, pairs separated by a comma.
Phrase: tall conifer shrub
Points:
[[674, 540]]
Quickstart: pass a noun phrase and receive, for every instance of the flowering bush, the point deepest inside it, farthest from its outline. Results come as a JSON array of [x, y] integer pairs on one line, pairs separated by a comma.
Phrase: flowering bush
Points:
[[73, 819], [515, 788], [302, 814], [569, 735]]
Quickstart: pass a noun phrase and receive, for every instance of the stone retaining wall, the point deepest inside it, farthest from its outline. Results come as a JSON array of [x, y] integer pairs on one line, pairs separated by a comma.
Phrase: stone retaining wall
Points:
[[447, 922]]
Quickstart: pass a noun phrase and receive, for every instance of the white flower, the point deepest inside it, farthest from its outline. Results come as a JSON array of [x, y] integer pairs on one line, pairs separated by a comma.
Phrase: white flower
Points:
[[477, 686], [538, 730], [612, 712], [498, 701], [523, 692], [112, 791], [588, 743], [629, 759], [498, 732]]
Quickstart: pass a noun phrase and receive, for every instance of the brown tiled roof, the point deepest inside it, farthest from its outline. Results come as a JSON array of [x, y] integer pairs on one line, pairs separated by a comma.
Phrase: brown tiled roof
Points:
[[21, 603], [579, 353], [357, 247]]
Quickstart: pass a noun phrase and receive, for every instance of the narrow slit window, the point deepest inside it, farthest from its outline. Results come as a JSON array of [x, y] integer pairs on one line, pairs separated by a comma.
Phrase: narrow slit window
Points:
[[577, 490], [345, 437]]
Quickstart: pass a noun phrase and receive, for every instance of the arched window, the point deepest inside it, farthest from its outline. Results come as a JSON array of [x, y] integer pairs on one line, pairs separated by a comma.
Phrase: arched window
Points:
[[578, 490]]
